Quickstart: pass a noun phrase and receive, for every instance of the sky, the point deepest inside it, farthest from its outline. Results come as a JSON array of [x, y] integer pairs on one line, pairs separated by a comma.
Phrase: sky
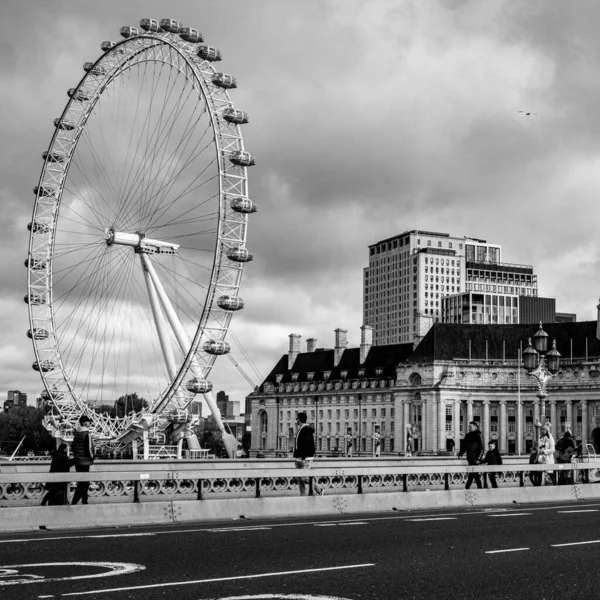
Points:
[[367, 119]]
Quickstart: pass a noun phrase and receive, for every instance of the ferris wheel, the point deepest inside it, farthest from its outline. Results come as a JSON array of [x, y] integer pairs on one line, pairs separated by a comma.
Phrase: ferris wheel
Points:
[[138, 236]]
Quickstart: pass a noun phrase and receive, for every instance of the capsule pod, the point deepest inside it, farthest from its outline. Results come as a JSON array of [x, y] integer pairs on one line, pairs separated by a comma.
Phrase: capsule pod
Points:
[[63, 124], [149, 25], [35, 299], [78, 95], [37, 334], [169, 25], [89, 67], [239, 254], [243, 205], [107, 45], [128, 32], [209, 53], [225, 81], [198, 386], [36, 263], [189, 34], [238, 117], [230, 303], [217, 347], [242, 158], [54, 157], [37, 227], [44, 190], [44, 366]]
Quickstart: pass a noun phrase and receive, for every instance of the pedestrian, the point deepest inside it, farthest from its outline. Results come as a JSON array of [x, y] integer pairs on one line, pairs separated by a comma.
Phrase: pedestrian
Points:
[[450, 445], [492, 457], [547, 447], [56, 491], [349, 443], [535, 476], [473, 446], [566, 449], [83, 453], [377, 443], [304, 452], [596, 436]]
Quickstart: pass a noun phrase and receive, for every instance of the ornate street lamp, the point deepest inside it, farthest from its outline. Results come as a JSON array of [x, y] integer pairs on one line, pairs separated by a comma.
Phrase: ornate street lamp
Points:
[[542, 365]]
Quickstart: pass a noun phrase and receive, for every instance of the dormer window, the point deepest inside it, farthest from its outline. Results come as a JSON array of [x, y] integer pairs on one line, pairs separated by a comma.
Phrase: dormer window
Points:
[[361, 372], [310, 375], [278, 378], [379, 372], [326, 375], [344, 374], [295, 376]]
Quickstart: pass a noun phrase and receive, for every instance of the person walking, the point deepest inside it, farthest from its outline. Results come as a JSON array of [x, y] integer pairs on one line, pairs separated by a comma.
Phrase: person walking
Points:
[[304, 452], [492, 457], [83, 454], [547, 448], [473, 447], [535, 476], [56, 492]]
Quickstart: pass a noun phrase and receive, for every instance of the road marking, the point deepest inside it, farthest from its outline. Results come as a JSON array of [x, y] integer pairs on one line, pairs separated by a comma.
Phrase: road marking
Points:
[[355, 523], [113, 535], [280, 597], [433, 519], [510, 515], [507, 550], [576, 511], [217, 579], [325, 524], [575, 543], [223, 529]]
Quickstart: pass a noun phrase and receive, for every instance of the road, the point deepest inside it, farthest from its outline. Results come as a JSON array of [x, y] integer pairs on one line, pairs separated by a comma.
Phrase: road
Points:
[[531, 551]]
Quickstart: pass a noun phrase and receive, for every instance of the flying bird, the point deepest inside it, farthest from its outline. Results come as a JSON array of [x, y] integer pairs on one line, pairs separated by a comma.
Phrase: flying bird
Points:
[[528, 114]]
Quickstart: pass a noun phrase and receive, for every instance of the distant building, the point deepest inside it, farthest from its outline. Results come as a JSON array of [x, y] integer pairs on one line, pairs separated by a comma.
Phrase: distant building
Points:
[[566, 317], [15, 398]]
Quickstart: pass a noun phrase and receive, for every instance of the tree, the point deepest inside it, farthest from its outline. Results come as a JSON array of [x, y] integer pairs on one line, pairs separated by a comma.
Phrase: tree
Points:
[[24, 422], [127, 403]]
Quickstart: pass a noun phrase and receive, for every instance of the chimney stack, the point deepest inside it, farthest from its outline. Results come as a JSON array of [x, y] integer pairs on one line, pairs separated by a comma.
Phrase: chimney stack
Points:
[[340, 345], [366, 341], [311, 344], [294, 349]]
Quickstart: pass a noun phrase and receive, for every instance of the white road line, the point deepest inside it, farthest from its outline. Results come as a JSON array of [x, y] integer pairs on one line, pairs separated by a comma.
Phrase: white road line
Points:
[[575, 544], [356, 523], [576, 511], [113, 535], [433, 519], [325, 524], [506, 550], [223, 529], [510, 515], [196, 581]]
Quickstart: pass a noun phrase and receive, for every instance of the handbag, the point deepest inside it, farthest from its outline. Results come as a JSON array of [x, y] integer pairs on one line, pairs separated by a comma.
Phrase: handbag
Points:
[[542, 459]]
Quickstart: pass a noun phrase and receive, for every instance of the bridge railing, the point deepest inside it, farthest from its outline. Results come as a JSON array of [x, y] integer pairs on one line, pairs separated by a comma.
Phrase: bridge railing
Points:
[[174, 480]]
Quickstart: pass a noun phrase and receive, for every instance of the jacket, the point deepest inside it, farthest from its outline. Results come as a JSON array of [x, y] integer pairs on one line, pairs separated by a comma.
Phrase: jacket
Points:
[[61, 463], [547, 448], [82, 447], [305, 442], [473, 446], [492, 457]]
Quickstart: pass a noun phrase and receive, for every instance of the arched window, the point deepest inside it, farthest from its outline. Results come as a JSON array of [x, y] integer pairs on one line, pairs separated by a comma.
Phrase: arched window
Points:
[[414, 379]]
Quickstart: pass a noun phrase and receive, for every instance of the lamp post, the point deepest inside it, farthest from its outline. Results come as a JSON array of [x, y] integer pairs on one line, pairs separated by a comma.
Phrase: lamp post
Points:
[[542, 365]]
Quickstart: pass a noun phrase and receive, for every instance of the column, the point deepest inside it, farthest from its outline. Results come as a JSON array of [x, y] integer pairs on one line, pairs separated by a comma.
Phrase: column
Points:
[[486, 421], [570, 425], [553, 422], [536, 411], [406, 423], [469, 412], [441, 425], [502, 429], [399, 433], [457, 431], [519, 432], [584, 422]]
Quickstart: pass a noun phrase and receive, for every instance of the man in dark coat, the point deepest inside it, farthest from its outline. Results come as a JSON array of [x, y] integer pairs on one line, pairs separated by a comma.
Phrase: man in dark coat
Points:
[[492, 457], [304, 451], [56, 492], [83, 452], [473, 446]]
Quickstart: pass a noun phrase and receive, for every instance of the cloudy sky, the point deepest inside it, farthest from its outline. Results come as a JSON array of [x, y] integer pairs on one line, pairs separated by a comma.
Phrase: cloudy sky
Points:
[[368, 118]]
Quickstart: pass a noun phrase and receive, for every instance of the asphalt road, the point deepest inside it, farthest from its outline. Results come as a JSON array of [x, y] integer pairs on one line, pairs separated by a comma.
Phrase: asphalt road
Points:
[[532, 551]]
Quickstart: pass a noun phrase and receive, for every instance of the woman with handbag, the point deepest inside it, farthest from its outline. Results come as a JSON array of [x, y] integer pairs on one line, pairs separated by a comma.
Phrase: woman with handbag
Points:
[[546, 454]]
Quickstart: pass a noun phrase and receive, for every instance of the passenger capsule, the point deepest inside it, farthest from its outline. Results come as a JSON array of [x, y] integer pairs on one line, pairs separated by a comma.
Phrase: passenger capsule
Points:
[[189, 34], [225, 81], [243, 205], [44, 366], [149, 25], [107, 45], [54, 157], [37, 227], [230, 303], [89, 67], [242, 158], [35, 299], [36, 264], [198, 386], [78, 95], [216, 347], [44, 190], [170, 25], [128, 32], [65, 125], [37, 334], [209, 53], [238, 117], [239, 254]]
